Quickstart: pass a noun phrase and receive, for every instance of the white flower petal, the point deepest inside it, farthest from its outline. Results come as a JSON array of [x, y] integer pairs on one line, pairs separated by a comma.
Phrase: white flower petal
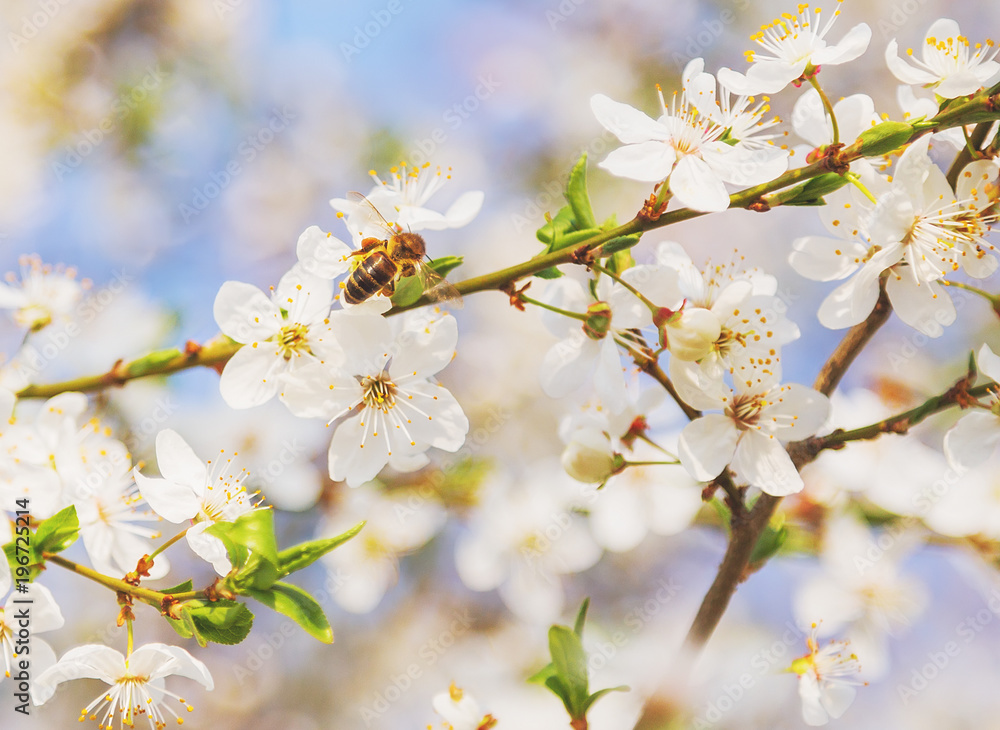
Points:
[[627, 123], [707, 444], [926, 307], [763, 462], [245, 313], [208, 547], [825, 259], [644, 161], [252, 375], [321, 254], [696, 186], [972, 440], [359, 449], [851, 46]]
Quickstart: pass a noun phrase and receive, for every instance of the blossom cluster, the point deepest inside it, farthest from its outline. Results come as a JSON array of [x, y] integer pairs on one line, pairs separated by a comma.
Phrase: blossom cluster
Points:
[[350, 363]]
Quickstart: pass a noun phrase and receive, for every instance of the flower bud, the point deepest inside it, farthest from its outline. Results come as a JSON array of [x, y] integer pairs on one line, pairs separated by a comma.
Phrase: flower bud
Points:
[[598, 322], [589, 457], [883, 139], [689, 334]]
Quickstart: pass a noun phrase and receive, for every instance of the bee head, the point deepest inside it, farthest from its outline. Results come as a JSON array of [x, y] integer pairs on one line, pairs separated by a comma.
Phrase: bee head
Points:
[[408, 247]]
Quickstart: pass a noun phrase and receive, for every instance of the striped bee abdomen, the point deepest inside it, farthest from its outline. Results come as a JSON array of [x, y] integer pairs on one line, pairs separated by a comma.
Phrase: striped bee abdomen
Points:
[[370, 277]]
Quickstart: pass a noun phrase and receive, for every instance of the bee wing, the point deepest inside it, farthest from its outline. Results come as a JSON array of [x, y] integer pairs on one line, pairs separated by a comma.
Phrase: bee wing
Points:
[[437, 288], [368, 216]]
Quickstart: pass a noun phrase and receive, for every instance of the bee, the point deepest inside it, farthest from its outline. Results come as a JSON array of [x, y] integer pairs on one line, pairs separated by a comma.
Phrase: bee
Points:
[[386, 260]]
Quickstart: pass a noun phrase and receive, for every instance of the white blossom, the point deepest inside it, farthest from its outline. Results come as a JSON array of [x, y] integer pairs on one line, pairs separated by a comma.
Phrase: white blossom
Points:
[[947, 64], [191, 489], [135, 682], [402, 201], [383, 386], [827, 680], [280, 332], [759, 416], [43, 295], [792, 45]]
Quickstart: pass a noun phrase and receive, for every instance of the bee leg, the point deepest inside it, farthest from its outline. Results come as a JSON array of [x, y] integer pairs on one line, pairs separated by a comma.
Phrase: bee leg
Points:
[[367, 245], [389, 289]]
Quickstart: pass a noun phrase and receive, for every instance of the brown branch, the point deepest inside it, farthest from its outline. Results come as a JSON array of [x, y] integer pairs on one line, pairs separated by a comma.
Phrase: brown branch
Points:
[[964, 157]]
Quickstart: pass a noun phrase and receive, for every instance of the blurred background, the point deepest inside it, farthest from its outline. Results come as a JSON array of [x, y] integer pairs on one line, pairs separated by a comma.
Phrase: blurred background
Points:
[[162, 148]]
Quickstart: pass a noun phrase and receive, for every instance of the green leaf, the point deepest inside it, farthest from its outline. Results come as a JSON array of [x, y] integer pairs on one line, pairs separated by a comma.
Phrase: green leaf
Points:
[[543, 674], [58, 532], [408, 290], [299, 606], [446, 264], [184, 587], [550, 273], [577, 195], [300, 556], [769, 542], [581, 617], [560, 690], [600, 693], [186, 629], [251, 546], [221, 622], [571, 666], [561, 224]]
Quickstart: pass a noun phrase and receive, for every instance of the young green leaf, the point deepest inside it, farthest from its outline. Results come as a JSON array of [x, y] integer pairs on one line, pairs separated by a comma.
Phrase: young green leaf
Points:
[[249, 538], [58, 532], [577, 195], [299, 606], [300, 556], [221, 622], [446, 264], [768, 544], [570, 661], [581, 617], [561, 224], [408, 290]]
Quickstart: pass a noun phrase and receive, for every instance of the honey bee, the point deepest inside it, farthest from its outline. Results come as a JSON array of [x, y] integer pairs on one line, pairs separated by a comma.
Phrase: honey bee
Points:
[[386, 260]]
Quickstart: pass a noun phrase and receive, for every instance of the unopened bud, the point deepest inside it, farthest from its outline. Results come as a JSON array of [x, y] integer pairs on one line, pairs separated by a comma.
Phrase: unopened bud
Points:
[[598, 322], [690, 333], [883, 138], [589, 457]]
